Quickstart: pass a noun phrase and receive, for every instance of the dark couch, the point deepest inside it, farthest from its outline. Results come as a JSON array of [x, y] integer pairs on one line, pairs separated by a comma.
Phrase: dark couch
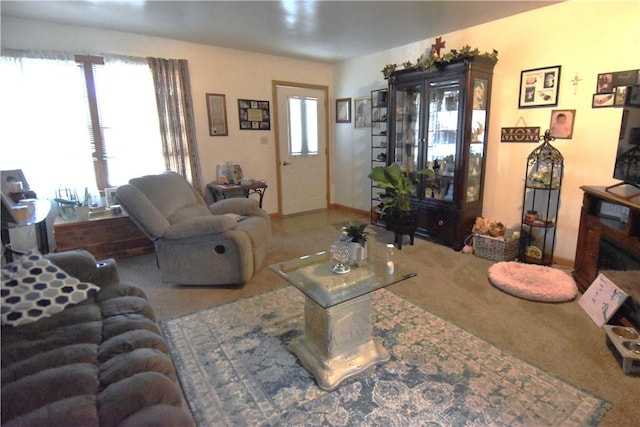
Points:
[[101, 362]]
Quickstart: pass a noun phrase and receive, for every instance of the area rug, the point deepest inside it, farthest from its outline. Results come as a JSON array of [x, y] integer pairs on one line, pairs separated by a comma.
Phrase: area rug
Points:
[[235, 369], [533, 282]]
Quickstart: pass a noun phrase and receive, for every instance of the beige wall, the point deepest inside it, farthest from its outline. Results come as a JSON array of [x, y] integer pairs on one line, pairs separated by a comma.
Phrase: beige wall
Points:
[[585, 38], [234, 73]]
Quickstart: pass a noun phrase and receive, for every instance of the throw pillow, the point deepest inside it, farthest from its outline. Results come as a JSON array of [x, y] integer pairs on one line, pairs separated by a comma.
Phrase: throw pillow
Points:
[[33, 288]]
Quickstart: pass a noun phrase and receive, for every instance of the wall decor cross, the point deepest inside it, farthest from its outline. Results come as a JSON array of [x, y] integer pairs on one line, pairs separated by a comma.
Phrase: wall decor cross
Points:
[[439, 44]]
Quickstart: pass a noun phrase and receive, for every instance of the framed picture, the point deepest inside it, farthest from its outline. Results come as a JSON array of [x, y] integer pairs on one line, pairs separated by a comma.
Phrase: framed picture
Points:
[[110, 196], [603, 100], [539, 87], [217, 111], [605, 83], [561, 125], [633, 96], [343, 110], [254, 115], [362, 107], [620, 96]]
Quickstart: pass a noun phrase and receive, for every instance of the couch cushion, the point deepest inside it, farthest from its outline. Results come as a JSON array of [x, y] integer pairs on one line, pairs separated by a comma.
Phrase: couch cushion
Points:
[[67, 355], [77, 411], [34, 391], [126, 397], [33, 288]]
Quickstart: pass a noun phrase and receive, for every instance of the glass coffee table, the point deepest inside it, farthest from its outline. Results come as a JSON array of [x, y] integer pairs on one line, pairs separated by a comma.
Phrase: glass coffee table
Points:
[[337, 340]]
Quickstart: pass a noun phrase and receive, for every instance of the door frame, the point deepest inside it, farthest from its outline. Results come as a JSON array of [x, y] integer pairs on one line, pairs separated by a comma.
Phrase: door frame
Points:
[[274, 90]]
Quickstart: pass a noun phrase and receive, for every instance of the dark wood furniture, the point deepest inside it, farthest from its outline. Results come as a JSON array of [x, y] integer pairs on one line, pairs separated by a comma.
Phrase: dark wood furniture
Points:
[[439, 119], [104, 235], [600, 226]]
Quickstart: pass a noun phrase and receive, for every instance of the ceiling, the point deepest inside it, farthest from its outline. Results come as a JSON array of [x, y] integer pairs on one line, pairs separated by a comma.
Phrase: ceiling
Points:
[[327, 31]]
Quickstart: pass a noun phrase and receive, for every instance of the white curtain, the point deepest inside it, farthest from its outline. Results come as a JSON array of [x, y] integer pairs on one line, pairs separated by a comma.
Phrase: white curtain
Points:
[[129, 119], [45, 127], [43, 123]]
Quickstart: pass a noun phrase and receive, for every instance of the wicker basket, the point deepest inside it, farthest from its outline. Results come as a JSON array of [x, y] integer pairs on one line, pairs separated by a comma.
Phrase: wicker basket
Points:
[[495, 249]]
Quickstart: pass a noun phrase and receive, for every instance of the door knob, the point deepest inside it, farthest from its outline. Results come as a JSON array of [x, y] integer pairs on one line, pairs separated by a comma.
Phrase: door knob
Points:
[[285, 163]]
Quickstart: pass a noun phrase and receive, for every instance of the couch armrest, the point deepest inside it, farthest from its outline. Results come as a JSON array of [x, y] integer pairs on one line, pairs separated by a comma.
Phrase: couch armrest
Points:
[[201, 225], [82, 265]]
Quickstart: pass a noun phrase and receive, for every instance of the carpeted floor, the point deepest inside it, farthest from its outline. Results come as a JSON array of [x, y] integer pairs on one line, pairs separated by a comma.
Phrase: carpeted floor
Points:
[[235, 369], [559, 338]]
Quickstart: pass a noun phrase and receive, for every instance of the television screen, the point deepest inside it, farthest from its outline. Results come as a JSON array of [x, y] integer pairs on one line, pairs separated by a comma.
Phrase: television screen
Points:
[[627, 167]]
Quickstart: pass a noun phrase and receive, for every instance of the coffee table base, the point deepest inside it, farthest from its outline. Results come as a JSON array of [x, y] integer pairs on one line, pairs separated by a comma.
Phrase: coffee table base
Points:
[[337, 341]]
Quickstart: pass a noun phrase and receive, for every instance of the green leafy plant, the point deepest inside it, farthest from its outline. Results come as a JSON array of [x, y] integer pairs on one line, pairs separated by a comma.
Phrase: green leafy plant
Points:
[[399, 185], [356, 232], [431, 61]]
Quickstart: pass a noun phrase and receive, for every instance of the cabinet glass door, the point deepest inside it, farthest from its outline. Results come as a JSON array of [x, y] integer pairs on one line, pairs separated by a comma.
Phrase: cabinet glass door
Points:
[[407, 126], [478, 137], [442, 138]]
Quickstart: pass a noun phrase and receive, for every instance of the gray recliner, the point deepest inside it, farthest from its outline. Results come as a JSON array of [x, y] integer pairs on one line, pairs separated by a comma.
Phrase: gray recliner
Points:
[[221, 244]]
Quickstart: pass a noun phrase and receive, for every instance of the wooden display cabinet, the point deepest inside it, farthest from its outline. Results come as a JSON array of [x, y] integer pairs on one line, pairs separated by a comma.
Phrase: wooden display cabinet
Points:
[[439, 119]]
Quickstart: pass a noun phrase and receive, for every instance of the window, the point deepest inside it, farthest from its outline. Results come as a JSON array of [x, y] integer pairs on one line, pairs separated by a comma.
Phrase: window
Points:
[[303, 126], [47, 131]]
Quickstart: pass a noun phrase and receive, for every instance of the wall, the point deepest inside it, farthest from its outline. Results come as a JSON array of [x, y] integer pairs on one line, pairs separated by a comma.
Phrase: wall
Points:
[[234, 73], [585, 38]]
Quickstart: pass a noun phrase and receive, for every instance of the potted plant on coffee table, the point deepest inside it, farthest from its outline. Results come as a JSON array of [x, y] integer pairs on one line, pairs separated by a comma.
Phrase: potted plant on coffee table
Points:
[[357, 243], [399, 187]]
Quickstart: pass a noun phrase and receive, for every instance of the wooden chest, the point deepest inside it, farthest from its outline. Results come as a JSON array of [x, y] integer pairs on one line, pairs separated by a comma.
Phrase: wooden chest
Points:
[[105, 236]]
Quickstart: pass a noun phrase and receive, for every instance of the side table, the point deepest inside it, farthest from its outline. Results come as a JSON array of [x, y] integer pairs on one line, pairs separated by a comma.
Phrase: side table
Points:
[[226, 191], [37, 219]]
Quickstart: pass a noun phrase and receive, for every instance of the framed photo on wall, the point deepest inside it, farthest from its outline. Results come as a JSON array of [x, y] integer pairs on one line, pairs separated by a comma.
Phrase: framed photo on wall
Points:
[[217, 111], [539, 87], [600, 100], [362, 109], [254, 115], [343, 110], [561, 125]]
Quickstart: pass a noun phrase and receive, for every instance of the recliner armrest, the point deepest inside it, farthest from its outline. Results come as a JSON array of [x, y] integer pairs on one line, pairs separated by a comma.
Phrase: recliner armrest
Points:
[[237, 205], [200, 225]]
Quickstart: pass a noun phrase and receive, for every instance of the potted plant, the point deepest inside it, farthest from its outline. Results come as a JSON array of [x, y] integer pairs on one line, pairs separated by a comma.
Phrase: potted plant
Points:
[[399, 185], [357, 243]]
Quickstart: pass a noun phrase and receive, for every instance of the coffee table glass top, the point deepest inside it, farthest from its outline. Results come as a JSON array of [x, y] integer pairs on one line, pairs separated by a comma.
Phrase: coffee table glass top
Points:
[[312, 275]]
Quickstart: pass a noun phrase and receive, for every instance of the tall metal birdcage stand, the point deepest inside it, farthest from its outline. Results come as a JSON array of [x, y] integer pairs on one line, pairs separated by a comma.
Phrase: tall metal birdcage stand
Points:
[[540, 203]]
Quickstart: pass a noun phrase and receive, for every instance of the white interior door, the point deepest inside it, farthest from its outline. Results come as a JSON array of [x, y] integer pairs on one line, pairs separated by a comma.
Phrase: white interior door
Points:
[[302, 149]]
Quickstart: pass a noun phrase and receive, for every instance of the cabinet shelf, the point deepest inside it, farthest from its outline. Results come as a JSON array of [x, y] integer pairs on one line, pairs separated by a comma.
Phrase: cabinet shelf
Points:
[[379, 147]]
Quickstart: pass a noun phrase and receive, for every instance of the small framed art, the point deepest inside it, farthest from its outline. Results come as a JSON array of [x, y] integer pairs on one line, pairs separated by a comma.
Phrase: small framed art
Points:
[[603, 100], [362, 107], [254, 115], [343, 110], [539, 87], [217, 111], [561, 125]]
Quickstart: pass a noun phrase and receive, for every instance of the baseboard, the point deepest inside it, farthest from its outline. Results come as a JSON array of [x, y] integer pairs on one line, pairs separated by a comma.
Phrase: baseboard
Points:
[[336, 206]]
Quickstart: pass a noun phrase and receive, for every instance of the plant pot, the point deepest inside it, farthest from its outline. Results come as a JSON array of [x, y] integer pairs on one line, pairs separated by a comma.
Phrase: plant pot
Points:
[[403, 222], [357, 254]]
